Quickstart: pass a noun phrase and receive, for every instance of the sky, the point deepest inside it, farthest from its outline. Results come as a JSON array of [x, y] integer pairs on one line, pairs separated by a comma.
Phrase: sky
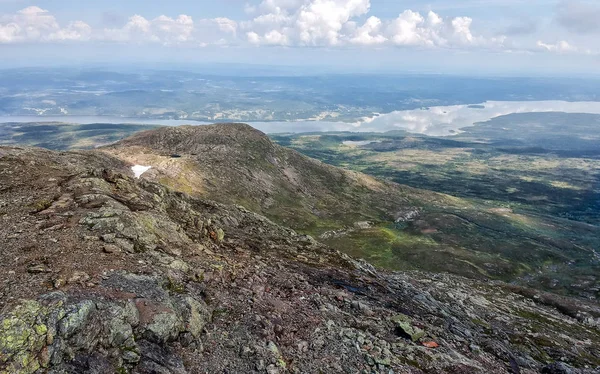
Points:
[[533, 37]]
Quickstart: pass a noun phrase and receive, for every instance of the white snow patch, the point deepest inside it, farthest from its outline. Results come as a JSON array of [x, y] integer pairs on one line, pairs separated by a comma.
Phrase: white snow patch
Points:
[[138, 170]]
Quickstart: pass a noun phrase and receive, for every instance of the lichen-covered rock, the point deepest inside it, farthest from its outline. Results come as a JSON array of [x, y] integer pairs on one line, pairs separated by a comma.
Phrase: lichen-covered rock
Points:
[[76, 316], [120, 324], [404, 326], [196, 316], [22, 337], [164, 326], [57, 332]]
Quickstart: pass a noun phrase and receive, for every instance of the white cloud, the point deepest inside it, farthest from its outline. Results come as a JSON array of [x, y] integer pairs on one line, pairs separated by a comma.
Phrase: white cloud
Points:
[[276, 38], [408, 29], [413, 29], [369, 33], [304, 22], [34, 24], [77, 30], [310, 23], [253, 38], [226, 25], [320, 21], [332, 23], [162, 29], [561, 47]]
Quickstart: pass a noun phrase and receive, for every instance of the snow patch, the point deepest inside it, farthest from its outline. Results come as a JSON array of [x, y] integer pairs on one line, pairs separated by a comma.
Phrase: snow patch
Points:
[[138, 170]]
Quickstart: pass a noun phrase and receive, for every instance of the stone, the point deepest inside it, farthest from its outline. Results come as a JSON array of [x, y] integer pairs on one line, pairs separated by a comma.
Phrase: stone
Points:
[[220, 235], [303, 346], [164, 327], [557, 368], [76, 316], [197, 317], [120, 332], [38, 269], [125, 245], [180, 265], [109, 238], [78, 277], [404, 327], [131, 357], [110, 248]]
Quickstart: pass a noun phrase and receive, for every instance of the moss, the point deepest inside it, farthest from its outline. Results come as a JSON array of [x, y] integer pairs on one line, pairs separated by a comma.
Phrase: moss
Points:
[[218, 312], [41, 329], [174, 286], [281, 363], [406, 329], [40, 205], [481, 323], [534, 317], [220, 235], [147, 222]]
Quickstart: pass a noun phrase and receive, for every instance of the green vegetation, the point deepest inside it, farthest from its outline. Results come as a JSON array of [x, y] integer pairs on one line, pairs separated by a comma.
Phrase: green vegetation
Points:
[[63, 136], [526, 203]]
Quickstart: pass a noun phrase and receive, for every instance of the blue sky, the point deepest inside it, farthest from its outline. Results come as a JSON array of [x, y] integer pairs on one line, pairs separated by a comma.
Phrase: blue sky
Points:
[[445, 36]]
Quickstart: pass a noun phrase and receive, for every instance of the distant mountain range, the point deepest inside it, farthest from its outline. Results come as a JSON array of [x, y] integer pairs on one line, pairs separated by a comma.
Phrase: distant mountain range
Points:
[[222, 97]]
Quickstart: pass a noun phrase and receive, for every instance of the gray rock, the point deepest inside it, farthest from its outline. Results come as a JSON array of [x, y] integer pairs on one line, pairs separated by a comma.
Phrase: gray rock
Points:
[[164, 327], [557, 368], [196, 316], [76, 316]]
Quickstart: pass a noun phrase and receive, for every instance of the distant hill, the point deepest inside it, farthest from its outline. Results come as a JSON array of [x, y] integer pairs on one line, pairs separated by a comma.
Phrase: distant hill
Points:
[[63, 136]]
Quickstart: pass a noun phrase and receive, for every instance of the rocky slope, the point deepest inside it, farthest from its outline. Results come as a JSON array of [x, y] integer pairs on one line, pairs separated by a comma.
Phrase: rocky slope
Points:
[[104, 273], [391, 225]]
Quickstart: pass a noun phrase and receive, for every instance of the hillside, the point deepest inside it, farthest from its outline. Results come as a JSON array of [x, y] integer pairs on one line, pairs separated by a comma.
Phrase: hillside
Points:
[[105, 273], [390, 225], [235, 163]]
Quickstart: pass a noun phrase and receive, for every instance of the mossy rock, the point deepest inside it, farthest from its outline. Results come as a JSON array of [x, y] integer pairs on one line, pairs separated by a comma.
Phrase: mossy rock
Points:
[[404, 327], [40, 206], [22, 337]]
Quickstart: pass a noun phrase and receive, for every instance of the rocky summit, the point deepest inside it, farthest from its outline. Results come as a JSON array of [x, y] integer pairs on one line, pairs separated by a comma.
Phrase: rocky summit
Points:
[[235, 163], [103, 272]]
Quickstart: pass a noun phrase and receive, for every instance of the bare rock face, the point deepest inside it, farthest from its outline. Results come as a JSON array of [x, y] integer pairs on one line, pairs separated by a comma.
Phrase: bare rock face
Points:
[[104, 273]]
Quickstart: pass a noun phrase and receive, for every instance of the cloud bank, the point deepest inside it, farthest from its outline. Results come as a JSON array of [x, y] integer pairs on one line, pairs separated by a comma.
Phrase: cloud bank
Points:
[[305, 23]]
